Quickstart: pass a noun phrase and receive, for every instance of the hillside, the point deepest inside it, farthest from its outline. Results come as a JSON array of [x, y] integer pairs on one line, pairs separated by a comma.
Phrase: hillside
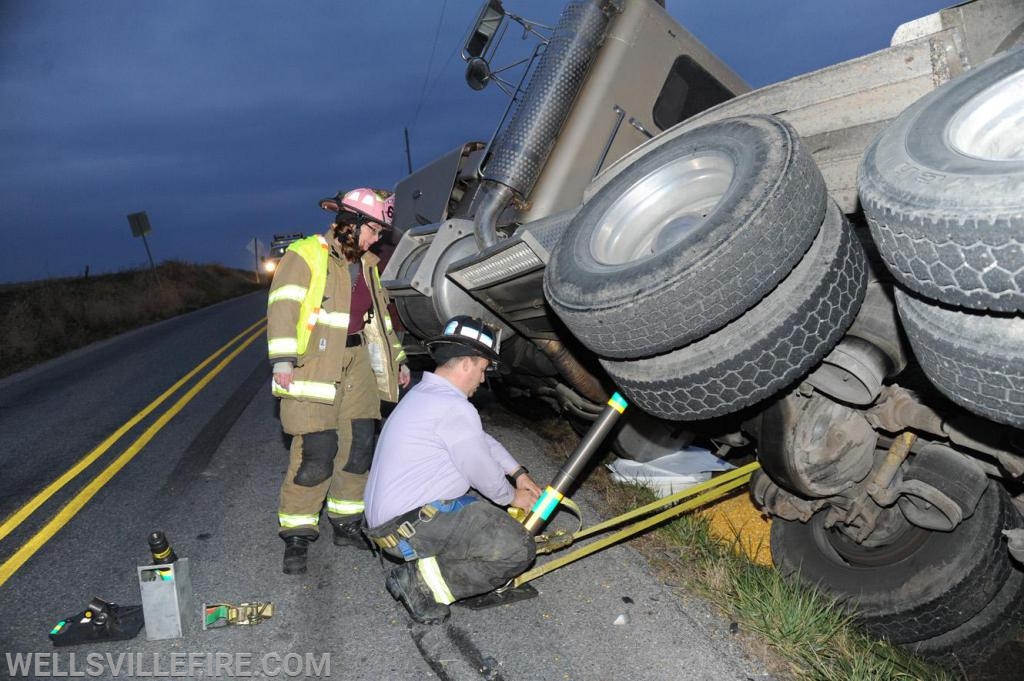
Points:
[[44, 319]]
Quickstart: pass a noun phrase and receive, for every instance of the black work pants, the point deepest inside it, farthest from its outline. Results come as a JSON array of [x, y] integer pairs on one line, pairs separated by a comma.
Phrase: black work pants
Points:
[[478, 547]]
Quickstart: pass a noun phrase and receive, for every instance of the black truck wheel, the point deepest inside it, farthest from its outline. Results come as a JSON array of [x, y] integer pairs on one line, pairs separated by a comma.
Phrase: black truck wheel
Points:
[[995, 624], [920, 585], [975, 359], [769, 347], [942, 188], [687, 238]]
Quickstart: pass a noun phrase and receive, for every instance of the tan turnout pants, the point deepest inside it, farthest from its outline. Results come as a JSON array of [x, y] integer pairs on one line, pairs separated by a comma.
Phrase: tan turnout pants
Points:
[[342, 490]]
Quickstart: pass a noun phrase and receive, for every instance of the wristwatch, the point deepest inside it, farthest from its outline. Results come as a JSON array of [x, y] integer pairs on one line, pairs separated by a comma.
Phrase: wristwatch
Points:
[[515, 475]]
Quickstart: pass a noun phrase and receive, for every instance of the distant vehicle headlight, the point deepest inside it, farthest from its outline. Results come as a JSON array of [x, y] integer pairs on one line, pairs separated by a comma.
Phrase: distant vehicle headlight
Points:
[[269, 266]]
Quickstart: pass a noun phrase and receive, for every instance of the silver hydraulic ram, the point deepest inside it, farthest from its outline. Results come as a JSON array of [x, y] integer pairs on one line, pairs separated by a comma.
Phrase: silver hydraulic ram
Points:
[[555, 492]]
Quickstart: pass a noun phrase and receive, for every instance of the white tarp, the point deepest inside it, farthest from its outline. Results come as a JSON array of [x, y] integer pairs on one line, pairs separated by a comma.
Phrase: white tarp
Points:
[[670, 473]]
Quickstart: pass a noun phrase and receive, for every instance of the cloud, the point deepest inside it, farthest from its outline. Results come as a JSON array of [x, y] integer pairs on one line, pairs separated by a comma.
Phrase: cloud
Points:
[[228, 120]]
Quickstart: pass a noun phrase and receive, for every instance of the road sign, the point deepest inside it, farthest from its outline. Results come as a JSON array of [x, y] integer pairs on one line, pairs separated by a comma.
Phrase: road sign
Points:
[[139, 222]]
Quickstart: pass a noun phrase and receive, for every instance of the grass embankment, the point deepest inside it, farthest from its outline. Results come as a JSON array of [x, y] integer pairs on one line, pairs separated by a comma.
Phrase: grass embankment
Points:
[[44, 319], [801, 633]]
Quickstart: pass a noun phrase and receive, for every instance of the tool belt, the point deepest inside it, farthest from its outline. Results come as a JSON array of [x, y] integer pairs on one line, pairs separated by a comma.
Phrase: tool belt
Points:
[[393, 534]]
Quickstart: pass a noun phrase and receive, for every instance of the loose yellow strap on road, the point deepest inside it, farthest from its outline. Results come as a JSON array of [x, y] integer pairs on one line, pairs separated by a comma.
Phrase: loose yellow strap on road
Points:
[[216, 615], [701, 494]]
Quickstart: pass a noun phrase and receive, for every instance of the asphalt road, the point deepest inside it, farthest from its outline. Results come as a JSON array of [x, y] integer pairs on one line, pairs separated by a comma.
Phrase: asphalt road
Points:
[[208, 476]]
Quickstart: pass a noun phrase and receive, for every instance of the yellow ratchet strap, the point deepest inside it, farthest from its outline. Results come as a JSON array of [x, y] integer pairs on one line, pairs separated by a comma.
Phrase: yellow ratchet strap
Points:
[[217, 615], [669, 507], [549, 542]]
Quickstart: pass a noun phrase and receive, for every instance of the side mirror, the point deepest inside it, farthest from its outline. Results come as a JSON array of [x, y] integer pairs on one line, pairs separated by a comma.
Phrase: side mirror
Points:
[[487, 24], [478, 73]]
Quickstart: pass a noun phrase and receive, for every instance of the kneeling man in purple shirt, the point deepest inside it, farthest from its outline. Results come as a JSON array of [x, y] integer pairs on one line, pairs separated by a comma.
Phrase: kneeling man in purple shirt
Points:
[[419, 505]]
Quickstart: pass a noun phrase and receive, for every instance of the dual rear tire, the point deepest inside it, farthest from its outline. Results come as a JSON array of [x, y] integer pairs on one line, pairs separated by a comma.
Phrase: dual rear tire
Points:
[[942, 188], [943, 191], [711, 273]]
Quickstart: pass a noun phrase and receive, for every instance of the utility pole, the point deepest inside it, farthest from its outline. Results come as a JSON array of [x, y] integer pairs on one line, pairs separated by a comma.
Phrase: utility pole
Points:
[[256, 254], [408, 154]]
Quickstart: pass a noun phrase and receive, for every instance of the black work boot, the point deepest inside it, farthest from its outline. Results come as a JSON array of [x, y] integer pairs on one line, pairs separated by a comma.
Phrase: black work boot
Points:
[[350, 534], [402, 584], [295, 550]]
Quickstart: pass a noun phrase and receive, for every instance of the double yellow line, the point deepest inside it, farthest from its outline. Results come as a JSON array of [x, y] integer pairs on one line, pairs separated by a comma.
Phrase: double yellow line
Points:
[[70, 509]]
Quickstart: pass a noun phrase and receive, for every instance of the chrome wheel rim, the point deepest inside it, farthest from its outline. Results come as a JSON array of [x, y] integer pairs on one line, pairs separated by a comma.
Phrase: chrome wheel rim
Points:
[[990, 126], [662, 209]]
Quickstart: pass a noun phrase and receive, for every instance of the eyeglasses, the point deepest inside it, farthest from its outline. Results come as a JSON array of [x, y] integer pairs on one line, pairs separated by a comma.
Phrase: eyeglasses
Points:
[[347, 217]]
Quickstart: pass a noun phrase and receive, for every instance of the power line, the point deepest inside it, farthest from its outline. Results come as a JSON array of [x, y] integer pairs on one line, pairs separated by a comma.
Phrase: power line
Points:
[[430, 64]]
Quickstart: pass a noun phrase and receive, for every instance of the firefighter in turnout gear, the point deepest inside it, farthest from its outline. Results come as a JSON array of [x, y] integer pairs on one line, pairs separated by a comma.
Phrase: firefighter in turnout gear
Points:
[[335, 355]]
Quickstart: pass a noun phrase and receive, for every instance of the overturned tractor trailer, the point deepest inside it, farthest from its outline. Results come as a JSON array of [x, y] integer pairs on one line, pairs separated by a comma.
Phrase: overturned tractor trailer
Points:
[[827, 271]]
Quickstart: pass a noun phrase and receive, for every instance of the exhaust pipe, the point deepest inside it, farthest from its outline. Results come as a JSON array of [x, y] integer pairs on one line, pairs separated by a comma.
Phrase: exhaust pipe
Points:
[[520, 153], [584, 382]]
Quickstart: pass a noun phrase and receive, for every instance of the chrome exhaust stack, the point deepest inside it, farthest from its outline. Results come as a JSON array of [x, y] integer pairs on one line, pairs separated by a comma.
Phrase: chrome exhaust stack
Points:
[[518, 155]]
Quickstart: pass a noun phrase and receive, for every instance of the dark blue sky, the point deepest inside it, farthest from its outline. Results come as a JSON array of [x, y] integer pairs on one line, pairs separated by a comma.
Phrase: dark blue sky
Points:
[[227, 120]]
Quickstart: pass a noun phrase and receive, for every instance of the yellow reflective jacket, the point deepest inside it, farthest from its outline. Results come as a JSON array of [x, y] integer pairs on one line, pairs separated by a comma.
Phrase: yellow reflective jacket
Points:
[[308, 319]]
